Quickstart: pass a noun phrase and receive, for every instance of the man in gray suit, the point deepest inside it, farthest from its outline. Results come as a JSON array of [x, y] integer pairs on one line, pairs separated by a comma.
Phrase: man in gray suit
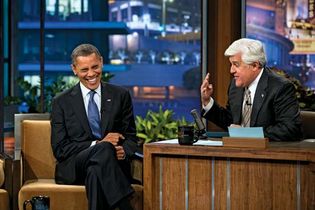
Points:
[[270, 101], [93, 134]]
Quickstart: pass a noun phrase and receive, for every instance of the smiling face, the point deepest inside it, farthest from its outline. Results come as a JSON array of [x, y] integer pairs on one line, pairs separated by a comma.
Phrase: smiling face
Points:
[[244, 74], [89, 70]]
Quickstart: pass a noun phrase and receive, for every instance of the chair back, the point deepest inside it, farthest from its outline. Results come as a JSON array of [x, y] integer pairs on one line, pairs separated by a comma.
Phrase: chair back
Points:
[[38, 159], [32, 146], [308, 121]]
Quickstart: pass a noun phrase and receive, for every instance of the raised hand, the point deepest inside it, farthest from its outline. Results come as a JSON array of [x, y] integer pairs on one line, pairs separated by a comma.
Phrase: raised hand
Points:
[[206, 90]]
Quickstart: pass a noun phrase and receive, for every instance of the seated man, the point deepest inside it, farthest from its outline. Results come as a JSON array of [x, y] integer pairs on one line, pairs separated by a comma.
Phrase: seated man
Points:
[[93, 134], [257, 97]]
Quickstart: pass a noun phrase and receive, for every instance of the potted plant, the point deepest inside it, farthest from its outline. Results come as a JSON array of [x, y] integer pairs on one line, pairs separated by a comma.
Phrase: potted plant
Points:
[[11, 107], [157, 126], [305, 95]]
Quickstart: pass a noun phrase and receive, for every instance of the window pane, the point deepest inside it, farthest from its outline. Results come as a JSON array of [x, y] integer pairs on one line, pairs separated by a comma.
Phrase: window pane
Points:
[[162, 67], [151, 48], [287, 29]]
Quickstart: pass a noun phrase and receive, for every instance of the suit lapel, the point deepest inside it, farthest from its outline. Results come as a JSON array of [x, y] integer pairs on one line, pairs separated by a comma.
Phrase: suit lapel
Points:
[[236, 103], [238, 108], [260, 96], [106, 107], [79, 109]]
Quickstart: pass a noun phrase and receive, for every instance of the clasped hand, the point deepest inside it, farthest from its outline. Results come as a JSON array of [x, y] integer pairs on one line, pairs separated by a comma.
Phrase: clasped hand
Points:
[[116, 140]]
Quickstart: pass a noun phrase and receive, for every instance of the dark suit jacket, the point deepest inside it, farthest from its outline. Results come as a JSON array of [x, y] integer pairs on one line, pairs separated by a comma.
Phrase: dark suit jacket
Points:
[[71, 133], [275, 108]]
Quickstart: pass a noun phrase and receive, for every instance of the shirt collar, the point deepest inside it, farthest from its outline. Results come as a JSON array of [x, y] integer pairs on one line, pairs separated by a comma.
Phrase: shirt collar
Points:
[[252, 87], [85, 91]]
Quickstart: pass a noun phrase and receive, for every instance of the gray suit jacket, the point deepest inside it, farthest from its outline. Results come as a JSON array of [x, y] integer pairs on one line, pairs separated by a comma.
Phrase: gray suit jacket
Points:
[[71, 133], [275, 108]]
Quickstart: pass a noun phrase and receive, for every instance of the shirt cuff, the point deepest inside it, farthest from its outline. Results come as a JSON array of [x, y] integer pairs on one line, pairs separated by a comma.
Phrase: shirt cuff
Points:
[[208, 106], [93, 143]]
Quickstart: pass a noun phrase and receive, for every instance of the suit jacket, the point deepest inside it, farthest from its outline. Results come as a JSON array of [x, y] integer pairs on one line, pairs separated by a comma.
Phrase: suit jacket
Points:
[[275, 108], [71, 133]]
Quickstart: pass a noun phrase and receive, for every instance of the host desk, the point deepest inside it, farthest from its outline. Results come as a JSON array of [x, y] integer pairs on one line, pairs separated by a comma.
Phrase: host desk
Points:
[[180, 177]]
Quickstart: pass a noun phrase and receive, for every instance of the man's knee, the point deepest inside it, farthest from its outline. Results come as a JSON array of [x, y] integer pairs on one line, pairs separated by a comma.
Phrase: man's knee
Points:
[[105, 145], [105, 150]]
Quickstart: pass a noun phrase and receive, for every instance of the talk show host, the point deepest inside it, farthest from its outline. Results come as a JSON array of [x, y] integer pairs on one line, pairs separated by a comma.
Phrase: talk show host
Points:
[[270, 101]]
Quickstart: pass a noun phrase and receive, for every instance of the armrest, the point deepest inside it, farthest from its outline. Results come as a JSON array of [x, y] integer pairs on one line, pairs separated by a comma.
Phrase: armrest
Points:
[[7, 173], [17, 177], [2, 162], [7, 170]]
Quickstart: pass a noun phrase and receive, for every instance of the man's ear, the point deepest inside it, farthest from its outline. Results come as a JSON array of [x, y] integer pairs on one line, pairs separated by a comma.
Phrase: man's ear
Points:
[[101, 58], [256, 65], [73, 69]]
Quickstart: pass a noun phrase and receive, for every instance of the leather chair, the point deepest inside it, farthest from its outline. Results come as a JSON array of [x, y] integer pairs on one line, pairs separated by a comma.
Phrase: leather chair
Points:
[[308, 121], [5, 181], [37, 166]]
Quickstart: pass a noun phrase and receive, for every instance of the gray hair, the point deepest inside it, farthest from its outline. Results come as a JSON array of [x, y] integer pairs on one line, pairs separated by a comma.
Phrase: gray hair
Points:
[[251, 51], [84, 50]]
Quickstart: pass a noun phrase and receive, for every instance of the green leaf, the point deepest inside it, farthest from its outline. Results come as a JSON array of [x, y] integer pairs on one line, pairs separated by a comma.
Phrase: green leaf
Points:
[[156, 126]]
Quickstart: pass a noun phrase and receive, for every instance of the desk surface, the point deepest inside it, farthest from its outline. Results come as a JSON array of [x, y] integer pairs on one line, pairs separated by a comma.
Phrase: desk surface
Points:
[[302, 151]]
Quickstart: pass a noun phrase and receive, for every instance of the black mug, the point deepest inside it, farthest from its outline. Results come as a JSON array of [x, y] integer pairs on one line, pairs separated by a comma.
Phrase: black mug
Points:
[[186, 135], [38, 203]]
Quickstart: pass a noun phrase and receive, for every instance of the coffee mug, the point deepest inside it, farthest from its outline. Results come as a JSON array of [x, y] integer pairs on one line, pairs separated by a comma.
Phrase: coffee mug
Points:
[[38, 203], [186, 135]]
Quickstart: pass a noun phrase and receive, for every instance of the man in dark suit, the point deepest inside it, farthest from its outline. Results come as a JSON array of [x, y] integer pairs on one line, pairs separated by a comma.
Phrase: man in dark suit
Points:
[[93, 134], [270, 101]]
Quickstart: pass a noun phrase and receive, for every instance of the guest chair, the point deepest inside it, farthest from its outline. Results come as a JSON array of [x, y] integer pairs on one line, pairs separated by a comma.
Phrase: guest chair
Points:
[[37, 166], [308, 121]]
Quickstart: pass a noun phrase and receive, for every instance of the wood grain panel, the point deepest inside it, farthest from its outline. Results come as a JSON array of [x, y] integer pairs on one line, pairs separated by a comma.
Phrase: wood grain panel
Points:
[[305, 187], [256, 182], [200, 183], [220, 184], [284, 185], [174, 178], [148, 178], [311, 186], [250, 182], [257, 178], [156, 182], [224, 26]]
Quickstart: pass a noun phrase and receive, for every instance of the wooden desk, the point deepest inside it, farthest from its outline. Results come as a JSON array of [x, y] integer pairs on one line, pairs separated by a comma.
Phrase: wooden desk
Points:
[[180, 177]]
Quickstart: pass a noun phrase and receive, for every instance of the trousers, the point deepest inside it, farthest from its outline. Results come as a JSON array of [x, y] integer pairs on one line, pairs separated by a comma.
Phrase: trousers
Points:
[[100, 171]]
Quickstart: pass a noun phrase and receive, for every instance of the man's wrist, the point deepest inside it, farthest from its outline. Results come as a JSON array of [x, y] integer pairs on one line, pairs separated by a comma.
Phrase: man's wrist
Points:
[[209, 105], [94, 142], [124, 157]]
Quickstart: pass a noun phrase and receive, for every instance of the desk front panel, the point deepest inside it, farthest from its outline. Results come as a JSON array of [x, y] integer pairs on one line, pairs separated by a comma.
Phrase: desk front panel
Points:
[[180, 182]]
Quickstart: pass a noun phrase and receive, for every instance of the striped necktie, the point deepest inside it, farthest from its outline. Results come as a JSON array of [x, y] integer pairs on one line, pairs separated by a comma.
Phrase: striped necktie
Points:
[[94, 116], [247, 109]]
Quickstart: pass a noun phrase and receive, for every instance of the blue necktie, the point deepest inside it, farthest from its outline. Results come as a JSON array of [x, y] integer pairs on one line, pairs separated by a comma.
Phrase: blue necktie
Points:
[[94, 116]]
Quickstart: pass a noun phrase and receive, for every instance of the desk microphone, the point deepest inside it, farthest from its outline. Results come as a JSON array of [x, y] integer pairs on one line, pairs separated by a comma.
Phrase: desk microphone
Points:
[[201, 127]]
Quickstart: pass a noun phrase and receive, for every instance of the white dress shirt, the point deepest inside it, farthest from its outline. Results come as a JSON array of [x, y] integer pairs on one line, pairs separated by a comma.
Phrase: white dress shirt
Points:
[[86, 96]]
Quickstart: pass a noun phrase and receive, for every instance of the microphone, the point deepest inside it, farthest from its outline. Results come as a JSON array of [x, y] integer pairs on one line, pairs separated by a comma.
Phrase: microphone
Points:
[[201, 127]]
